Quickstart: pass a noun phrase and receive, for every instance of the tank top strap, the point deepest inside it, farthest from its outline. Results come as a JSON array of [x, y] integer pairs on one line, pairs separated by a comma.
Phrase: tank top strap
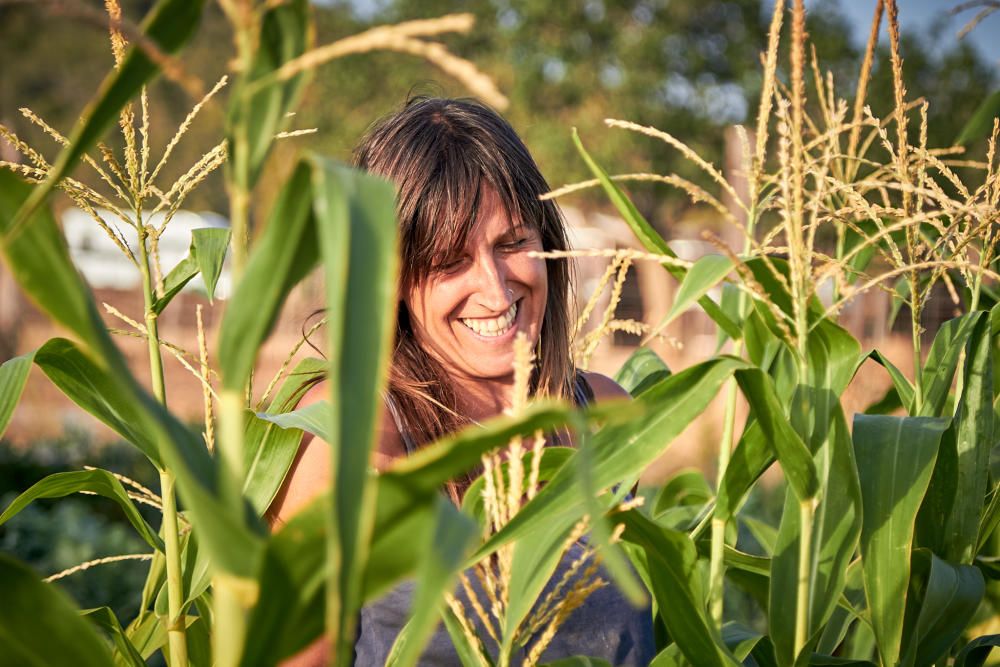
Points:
[[583, 393], [404, 434]]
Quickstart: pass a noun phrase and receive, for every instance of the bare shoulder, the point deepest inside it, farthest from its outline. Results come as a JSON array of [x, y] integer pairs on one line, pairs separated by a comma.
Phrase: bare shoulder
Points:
[[310, 473], [604, 387]]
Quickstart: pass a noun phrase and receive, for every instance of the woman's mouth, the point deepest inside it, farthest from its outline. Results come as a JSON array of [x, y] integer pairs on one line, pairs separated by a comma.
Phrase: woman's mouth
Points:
[[493, 326]]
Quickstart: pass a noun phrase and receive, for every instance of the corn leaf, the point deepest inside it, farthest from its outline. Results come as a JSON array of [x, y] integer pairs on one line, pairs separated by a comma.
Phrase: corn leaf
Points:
[[942, 600], [257, 111], [620, 451], [705, 274], [981, 123], [124, 652], [942, 360], [676, 581], [836, 528], [356, 221], [649, 237], [39, 261], [39, 625], [270, 448], [206, 256], [289, 614], [13, 376], [286, 252], [97, 392], [949, 517], [895, 459], [643, 369], [975, 653], [443, 554], [100, 482]]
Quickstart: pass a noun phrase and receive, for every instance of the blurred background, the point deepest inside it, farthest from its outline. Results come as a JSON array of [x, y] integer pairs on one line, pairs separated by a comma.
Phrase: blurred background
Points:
[[689, 67]]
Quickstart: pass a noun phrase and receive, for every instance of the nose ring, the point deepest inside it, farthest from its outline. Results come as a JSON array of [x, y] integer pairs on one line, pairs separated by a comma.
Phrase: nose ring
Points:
[[510, 295]]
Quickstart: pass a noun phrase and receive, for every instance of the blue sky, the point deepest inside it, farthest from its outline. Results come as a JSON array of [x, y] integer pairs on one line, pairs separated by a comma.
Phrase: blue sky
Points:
[[920, 15]]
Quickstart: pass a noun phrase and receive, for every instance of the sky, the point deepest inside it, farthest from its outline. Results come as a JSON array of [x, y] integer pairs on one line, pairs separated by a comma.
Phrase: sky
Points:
[[920, 15]]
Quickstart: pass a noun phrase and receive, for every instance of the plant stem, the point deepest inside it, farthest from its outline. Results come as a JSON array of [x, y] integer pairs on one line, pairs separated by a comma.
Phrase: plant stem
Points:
[[176, 638], [918, 389], [804, 577], [230, 607], [716, 568]]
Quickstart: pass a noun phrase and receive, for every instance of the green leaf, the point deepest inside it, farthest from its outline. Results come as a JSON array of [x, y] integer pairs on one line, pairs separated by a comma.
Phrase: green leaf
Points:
[[649, 237], [705, 274], [408, 490], [285, 253], [40, 626], [169, 25], [942, 360], [356, 221], [676, 581], [684, 488], [942, 600], [100, 482], [837, 524], [532, 564], [620, 451], [259, 112], [175, 280], [290, 608], [270, 448], [975, 653], [895, 458], [641, 370], [314, 418], [981, 123], [468, 655], [442, 557], [210, 246], [39, 261], [751, 457], [578, 661], [206, 256], [13, 376], [124, 652], [98, 378], [903, 388], [795, 458], [614, 560], [949, 518], [96, 391]]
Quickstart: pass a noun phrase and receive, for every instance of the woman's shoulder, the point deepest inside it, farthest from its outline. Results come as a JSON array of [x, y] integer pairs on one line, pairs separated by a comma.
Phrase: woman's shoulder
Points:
[[603, 387]]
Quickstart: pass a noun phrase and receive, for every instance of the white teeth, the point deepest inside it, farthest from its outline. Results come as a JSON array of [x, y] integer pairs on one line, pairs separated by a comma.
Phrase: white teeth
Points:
[[496, 326]]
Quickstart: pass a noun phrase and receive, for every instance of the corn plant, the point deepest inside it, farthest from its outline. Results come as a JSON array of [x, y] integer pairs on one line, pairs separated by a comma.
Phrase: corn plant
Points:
[[879, 555]]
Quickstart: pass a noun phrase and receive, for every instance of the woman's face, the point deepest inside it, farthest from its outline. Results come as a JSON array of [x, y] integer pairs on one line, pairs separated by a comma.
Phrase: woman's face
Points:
[[467, 312]]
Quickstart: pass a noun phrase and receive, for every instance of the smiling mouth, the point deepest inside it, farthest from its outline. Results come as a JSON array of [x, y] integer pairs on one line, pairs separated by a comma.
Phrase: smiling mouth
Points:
[[494, 326]]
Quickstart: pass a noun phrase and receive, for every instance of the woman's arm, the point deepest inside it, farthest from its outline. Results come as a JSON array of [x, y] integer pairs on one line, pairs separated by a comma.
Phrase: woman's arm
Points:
[[309, 474], [308, 477]]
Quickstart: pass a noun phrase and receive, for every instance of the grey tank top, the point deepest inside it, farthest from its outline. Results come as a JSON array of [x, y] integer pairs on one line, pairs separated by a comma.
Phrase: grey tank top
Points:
[[605, 626]]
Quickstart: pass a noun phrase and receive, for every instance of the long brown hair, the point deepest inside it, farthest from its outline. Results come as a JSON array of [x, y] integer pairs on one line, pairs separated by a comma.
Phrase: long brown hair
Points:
[[440, 153]]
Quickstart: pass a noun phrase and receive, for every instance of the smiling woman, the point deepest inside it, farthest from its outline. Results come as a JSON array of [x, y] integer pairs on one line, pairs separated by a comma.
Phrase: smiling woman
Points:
[[469, 218]]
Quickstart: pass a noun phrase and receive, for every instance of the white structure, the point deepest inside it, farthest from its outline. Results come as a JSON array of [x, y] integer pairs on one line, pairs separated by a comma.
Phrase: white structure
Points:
[[104, 266]]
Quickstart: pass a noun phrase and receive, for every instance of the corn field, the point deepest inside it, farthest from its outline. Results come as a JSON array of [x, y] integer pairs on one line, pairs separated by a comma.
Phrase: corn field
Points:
[[885, 552]]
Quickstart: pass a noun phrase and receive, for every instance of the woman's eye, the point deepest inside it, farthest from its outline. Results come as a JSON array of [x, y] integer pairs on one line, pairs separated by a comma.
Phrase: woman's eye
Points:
[[516, 244], [450, 266]]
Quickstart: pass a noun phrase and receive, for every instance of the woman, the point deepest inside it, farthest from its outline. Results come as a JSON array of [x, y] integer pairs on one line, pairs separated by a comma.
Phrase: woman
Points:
[[469, 214]]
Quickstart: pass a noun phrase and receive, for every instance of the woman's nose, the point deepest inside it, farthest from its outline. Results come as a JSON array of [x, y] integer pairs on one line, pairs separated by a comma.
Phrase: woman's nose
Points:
[[491, 284]]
